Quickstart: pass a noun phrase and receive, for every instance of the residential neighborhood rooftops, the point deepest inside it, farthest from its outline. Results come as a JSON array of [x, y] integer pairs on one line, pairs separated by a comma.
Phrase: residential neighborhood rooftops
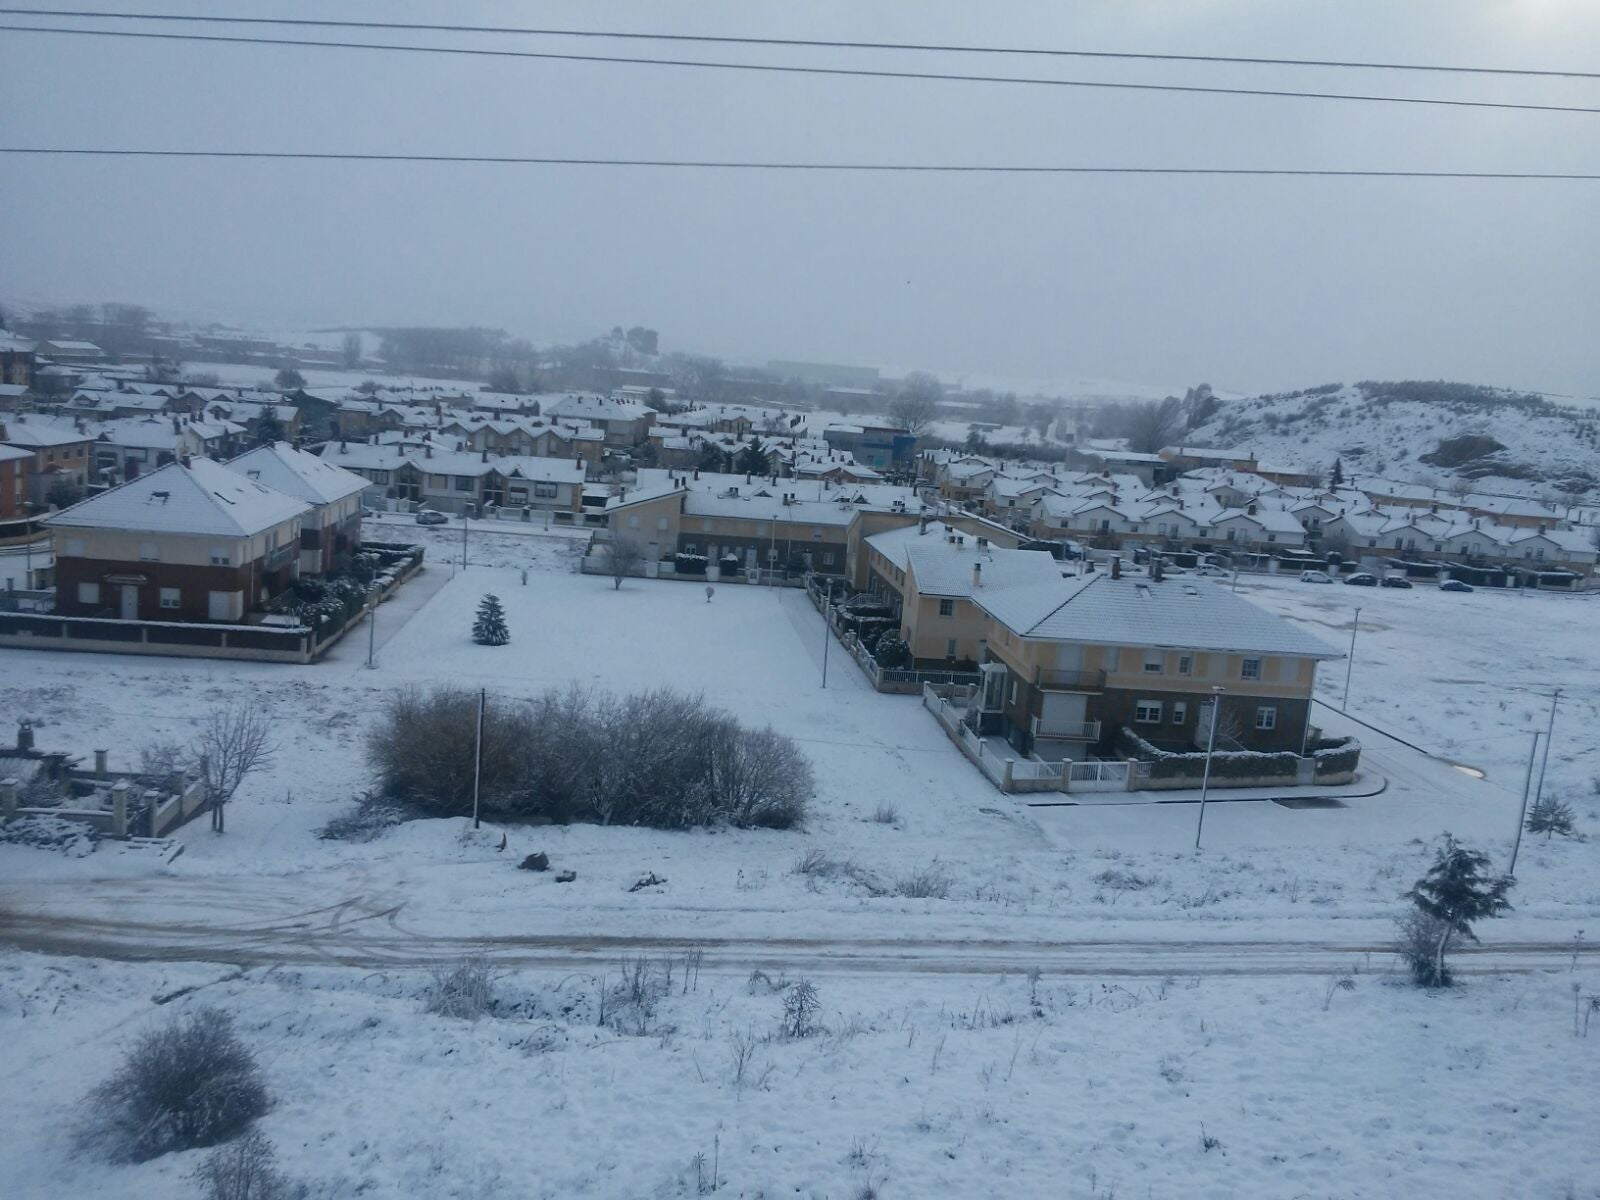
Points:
[[200, 497], [295, 473]]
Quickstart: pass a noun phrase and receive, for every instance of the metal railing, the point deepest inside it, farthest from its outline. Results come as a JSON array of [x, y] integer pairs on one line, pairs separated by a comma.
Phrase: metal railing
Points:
[[1077, 731], [1047, 679]]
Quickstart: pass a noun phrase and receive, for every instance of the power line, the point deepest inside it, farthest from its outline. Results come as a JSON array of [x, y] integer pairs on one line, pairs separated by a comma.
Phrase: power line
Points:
[[777, 68], [753, 165], [817, 43]]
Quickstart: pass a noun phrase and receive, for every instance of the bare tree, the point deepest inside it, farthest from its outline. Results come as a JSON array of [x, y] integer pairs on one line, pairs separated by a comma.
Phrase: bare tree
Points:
[[235, 743], [1150, 425], [918, 401], [352, 350], [623, 556]]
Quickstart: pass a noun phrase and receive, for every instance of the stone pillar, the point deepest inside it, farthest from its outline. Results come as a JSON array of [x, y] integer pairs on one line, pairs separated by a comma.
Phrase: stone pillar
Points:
[[99, 764], [119, 809], [8, 798], [1006, 781], [152, 801]]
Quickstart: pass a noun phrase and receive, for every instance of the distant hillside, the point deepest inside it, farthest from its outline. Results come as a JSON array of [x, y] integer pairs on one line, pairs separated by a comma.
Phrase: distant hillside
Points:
[[1432, 433]]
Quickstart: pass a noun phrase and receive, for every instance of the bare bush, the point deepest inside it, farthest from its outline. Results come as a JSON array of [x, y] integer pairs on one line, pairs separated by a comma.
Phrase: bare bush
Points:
[[1417, 941], [188, 1085], [658, 758], [931, 882], [886, 814], [243, 1170], [801, 1004], [744, 1069], [371, 818], [465, 990]]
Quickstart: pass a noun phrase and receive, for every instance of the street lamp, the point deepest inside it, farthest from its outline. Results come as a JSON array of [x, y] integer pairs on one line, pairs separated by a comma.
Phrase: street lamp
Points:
[[1211, 745], [372, 626], [1550, 729], [1350, 661]]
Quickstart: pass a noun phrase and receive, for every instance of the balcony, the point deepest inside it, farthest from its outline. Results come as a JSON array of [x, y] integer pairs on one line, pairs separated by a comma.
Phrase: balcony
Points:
[[1068, 681], [1070, 731], [282, 556]]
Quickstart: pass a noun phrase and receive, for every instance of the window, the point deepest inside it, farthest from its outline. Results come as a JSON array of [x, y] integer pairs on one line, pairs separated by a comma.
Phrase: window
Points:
[[816, 533], [1250, 668], [1013, 691], [1154, 660], [661, 523], [950, 648], [1180, 711], [74, 548], [1185, 664], [1147, 712], [947, 608], [170, 597], [827, 558], [149, 552], [691, 547], [633, 522], [88, 593], [1267, 717], [463, 483], [438, 482], [220, 557], [545, 491]]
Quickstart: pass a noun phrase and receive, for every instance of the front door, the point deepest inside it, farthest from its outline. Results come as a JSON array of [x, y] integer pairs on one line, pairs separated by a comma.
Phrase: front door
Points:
[[130, 602]]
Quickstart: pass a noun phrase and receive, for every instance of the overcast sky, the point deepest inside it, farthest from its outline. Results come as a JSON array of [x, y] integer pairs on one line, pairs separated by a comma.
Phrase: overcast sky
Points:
[[1249, 284]]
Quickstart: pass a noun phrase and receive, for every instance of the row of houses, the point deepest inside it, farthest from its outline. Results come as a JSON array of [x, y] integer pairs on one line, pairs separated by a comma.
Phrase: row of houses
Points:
[[1218, 507]]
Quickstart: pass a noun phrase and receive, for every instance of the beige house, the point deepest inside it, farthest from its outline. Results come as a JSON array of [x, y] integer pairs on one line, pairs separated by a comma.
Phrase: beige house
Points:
[[330, 531]]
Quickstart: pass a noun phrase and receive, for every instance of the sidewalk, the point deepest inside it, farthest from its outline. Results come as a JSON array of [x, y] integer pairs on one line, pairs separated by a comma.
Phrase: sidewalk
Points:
[[1367, 783]]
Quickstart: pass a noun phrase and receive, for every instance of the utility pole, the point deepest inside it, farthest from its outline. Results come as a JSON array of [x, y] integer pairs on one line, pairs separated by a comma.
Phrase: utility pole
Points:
[[826, 632], [1549, 731], [463, 538], [372, 627], [1211, 745], [1350, 662], [1523, 818], [477, 757]]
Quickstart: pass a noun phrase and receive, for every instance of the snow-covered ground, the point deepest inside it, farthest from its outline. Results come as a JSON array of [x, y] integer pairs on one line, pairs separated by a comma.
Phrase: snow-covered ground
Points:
[[1102, 1093]]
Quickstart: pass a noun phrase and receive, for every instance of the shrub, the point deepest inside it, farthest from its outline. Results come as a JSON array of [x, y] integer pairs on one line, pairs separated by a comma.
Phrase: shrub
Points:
[[190, 1084], [886, 814], [465, 990], [244, 1170], [892, 651], [659, 758], [1551, 816], [690, 564], [931, 882], [801, 1004]]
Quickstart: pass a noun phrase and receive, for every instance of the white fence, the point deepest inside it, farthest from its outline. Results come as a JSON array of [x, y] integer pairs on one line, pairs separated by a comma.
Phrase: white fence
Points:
[[1097, 776]]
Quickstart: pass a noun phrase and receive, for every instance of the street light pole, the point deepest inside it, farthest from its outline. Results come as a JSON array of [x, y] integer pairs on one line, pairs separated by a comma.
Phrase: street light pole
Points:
[[1211, 745], [1350, 662], [477, 757], [1550, 729], [372, 627], [826, 597], [1523, 818], [463, 538]]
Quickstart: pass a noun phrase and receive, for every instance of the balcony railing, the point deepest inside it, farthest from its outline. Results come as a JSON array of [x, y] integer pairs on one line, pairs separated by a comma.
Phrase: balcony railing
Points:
[[281, 556], [1069, 680], [1072, 731]]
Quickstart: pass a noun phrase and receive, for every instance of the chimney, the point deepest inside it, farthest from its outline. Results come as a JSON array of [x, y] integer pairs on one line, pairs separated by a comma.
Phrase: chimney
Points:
[[485, 457], [1116, 566], [24, 736], [922, 526], [977, 574], [427, 450], [99, 764], [344, 447]]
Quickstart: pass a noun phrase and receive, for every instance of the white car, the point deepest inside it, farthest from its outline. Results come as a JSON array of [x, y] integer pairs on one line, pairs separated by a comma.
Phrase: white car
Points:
[[1315, 577], [1211, 572]]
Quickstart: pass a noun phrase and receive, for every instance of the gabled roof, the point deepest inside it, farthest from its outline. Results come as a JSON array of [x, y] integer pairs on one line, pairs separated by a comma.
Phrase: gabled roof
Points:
[[295, 473], [201, 497]]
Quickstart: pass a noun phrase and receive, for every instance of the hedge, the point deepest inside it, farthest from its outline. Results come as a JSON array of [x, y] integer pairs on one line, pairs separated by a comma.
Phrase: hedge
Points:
[[1225, 764], [1336, 756]]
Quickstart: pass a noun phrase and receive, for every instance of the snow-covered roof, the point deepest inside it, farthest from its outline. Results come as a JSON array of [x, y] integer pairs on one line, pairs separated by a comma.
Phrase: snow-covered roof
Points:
[[295, 473], [200, 497], [1098, 610], [35, 431]]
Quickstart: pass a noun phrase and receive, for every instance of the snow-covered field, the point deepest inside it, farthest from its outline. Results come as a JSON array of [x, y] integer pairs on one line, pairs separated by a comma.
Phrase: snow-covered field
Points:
[[950, 1081]]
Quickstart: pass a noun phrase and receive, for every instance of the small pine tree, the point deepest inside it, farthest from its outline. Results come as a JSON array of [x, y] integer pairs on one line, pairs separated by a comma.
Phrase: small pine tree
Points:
[[1550, 816], [1337, 478], [490, 627], [1456, 891]]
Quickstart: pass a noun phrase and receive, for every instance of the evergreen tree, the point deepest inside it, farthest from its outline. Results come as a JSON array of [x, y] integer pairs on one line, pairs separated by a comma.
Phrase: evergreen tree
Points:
[[753, 458], [1337, 478], [490, 627], [1456, 891], [1550, 816]]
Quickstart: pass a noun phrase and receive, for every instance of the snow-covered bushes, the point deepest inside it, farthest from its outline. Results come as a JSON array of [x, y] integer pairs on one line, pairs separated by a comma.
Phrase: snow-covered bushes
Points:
[[1225, 764], [244, 1170], [465, 991], [892, 652], [190, 1084], [658, 758]]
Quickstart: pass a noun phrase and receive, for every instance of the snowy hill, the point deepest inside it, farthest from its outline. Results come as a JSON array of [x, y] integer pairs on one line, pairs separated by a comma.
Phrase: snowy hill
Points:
[[1431, 433]]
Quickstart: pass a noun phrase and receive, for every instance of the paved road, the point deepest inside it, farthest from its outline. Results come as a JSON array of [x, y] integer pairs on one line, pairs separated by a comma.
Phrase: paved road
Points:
[[371, 933]]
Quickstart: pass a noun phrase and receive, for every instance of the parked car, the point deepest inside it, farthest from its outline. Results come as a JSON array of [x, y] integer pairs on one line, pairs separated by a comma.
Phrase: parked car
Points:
[[1396, 581], [1361, 579], [1211, 571], [1315, 577], [1454, 585], [431, 516]]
